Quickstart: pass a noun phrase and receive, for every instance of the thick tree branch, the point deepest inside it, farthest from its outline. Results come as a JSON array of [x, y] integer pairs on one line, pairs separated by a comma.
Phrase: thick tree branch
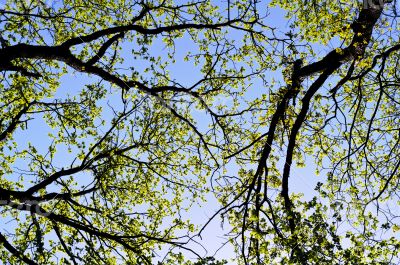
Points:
[[15, 252], [104, 48], [362, 27]]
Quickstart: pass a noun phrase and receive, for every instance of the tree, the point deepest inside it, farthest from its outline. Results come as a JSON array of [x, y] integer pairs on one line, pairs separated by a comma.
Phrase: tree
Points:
[[132, 144]]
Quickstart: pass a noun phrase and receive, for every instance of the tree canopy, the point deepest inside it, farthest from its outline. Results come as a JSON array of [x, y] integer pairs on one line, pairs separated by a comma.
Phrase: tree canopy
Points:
[[118, 117]]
